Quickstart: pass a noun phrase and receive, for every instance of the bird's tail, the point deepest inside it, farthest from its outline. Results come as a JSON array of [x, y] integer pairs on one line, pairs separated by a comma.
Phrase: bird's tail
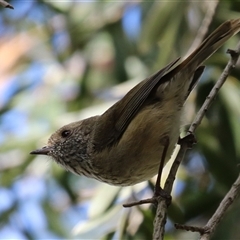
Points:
[[211, 44], [190, 69]]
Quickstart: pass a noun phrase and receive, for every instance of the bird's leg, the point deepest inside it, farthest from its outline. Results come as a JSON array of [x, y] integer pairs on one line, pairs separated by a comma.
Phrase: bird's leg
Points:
[[158, 191]]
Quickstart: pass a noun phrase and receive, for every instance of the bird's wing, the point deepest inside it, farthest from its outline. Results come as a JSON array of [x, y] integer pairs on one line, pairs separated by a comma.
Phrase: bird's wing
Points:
[[196, 76], [113, 123]]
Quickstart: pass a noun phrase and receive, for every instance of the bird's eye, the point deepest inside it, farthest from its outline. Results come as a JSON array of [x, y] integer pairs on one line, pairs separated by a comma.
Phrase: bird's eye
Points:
[[65, 133]]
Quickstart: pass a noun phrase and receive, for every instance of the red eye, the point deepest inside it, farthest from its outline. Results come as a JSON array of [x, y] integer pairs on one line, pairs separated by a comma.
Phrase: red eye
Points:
[[65, 133]]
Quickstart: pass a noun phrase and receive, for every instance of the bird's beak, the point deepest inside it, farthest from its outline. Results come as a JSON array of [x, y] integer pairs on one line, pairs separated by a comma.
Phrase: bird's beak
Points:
[[42, 151]]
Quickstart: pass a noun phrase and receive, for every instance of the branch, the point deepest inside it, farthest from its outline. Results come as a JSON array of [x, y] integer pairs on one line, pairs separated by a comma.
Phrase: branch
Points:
[[160, 218], [218, 215], [6, 4], [231, 64], [210, 227], [161, 213]]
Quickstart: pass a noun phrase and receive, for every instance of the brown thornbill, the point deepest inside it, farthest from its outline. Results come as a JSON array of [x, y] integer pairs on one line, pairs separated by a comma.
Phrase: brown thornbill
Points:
[[126, 144]]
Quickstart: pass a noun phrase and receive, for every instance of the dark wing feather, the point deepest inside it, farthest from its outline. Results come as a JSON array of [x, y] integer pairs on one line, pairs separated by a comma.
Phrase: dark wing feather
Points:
[[112, 124], [197, 74], [134, 103]]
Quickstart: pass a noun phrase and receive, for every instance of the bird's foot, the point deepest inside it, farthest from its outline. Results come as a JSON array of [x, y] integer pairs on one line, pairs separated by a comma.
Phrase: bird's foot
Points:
[[189, 139]]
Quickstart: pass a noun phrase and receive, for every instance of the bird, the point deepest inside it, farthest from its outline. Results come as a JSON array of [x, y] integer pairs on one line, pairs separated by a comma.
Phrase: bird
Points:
[[129, 141]]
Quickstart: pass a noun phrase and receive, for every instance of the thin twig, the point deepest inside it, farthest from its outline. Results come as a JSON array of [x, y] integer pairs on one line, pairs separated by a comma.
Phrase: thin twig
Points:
[[218, 215], [6, 4], [231, 64], [207, 231], [190, 228]]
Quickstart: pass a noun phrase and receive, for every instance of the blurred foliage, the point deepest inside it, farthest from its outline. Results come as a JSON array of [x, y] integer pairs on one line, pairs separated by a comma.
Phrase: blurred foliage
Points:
[[59, 63]]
